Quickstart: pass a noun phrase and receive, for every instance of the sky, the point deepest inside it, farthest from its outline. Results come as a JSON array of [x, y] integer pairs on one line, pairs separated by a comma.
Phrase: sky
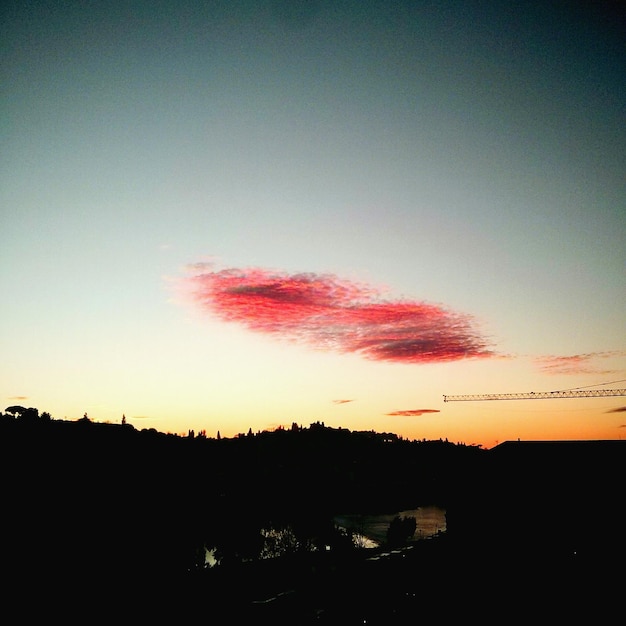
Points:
[[234, 215]]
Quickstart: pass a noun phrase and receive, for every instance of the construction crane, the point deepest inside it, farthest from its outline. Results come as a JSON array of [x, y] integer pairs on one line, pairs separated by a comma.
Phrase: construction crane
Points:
[[542, 395]]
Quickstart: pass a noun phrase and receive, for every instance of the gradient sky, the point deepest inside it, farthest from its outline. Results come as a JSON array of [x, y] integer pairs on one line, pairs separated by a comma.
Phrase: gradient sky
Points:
[[230, 215]]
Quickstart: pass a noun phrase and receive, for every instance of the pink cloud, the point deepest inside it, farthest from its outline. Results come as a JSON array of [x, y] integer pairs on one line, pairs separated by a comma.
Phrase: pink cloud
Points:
[[326, 312], [413, 412], [576, 363]]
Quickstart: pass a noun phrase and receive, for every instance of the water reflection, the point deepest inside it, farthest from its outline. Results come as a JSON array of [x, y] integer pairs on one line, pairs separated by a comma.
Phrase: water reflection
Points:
[[358, 530], [371, 530]]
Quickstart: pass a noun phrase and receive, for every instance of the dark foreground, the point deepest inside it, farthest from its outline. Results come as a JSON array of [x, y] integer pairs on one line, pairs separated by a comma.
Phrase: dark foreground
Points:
[[433, 580], [101, 524]]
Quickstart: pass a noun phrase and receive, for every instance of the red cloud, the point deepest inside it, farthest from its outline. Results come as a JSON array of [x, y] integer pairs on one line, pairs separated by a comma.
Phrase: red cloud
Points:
[[328, 313], [575, 363], [413, 412]]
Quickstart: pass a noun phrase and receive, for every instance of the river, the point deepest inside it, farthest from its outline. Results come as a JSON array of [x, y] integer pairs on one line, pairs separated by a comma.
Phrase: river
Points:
[[430, 520]]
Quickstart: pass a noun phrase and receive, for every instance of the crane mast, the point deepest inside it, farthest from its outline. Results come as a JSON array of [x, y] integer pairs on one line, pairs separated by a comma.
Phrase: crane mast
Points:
[[542, 395]]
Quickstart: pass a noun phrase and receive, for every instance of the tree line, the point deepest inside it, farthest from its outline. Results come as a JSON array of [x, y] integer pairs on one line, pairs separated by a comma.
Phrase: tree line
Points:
[[90, 505], [154, 500]]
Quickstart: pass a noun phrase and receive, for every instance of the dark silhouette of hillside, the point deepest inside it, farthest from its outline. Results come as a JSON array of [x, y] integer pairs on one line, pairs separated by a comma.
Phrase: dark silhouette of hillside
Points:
[[120, 518], [555, 533]]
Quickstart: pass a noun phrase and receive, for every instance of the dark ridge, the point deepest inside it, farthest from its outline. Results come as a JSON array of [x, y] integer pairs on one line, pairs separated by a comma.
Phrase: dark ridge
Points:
[[116, 519]]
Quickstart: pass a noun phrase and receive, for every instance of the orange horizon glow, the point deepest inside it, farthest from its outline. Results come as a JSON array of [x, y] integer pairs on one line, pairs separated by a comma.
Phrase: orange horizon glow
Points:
[[489, 426]]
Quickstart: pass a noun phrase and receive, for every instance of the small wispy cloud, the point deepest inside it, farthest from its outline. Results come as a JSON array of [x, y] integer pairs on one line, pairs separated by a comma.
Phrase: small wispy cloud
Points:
[[619, 409], [329, 313], [342, 401], [413, 412], [577, 363], [17, 398]]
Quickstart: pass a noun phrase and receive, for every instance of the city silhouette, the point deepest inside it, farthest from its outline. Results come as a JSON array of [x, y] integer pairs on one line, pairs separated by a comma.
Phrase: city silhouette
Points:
[[143, 523]]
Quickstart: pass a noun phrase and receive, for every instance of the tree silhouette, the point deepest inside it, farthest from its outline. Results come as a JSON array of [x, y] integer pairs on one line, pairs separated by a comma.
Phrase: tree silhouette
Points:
[[21, 412], [15, 410], [401, 529]]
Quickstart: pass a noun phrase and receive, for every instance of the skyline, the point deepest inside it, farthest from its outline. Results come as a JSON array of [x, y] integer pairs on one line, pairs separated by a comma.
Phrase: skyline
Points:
[[223, 216]]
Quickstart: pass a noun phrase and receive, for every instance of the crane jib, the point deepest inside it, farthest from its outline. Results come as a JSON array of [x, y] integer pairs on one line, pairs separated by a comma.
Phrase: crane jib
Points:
[[542, 395]]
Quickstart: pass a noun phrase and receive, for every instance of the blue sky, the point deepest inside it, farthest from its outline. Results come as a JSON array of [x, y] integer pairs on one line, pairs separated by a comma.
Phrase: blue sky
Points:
[[469, 155]]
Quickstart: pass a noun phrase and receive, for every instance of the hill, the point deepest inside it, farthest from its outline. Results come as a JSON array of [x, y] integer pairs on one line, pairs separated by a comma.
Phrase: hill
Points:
[[108, 512]]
